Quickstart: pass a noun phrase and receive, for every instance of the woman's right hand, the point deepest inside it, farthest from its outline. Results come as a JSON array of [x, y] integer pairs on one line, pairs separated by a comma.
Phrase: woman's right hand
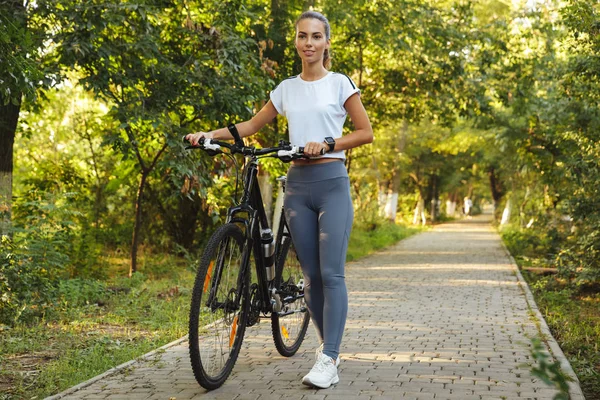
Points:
[[194, 138]]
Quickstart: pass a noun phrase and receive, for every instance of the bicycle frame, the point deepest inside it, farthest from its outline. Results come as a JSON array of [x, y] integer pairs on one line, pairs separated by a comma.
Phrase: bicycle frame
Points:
[[226, 261], [251, 204]]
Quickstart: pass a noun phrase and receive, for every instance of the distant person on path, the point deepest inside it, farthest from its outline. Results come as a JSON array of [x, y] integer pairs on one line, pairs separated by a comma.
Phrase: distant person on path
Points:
[[468, 207], [317, 204]]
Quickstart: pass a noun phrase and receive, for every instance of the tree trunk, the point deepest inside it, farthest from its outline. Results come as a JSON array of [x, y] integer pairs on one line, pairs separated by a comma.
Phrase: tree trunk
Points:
[[420, 212], [277, 210], [278, 31], [138, 224], [434, 197], [450, 206], [506, 213], [100, 182], [145, 170], [266, 190], [392, 198], [523, 205], [180, 223], [189, 211], [382, 196], [391, 206], [9, 116], [495, 187]]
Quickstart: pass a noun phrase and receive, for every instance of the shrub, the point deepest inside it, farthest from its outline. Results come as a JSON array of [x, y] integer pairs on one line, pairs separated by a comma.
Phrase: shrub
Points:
[[521, 242], [34, 259], [80, 292]]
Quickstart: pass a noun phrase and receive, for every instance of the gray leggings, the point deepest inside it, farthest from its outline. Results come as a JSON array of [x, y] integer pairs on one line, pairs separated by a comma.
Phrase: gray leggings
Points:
[[319, 212]]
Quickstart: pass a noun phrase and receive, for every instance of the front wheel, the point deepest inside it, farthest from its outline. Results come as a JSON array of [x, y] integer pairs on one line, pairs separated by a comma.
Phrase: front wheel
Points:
[[289, 324], [219, 307]]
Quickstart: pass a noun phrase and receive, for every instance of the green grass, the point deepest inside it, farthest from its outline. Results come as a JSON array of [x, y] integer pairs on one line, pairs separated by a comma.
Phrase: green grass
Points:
[[364, 241], [574, 320], [137, 316], [572, 315], [70, 358], [98, 325]]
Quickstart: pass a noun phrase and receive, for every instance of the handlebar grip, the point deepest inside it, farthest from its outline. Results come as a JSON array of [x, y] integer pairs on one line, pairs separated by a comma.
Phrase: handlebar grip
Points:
[[301, 150], [200, 142]]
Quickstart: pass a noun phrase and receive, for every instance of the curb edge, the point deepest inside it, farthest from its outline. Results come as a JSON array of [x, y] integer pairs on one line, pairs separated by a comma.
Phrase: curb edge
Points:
[[115, 370], [575, 392]]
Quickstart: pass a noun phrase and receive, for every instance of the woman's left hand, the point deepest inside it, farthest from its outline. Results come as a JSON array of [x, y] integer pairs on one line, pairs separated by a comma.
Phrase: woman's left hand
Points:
[[315, 149]]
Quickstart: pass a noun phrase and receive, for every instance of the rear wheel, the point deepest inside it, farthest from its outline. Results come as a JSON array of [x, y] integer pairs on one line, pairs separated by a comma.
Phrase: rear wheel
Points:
[[219, 308], [290, 323]]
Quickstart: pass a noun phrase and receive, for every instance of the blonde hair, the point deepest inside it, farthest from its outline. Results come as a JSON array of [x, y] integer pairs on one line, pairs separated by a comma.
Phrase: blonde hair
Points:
[[318, 16]]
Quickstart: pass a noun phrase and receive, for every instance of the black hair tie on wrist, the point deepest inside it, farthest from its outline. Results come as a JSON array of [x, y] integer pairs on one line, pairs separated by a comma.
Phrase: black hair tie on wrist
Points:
[[236, 135]]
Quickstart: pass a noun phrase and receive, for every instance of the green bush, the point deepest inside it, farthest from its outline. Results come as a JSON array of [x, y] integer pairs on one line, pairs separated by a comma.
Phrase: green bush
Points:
[[34, 259], [81, 292], [521, 242], [573, 250], [29, 270], [580, 261]]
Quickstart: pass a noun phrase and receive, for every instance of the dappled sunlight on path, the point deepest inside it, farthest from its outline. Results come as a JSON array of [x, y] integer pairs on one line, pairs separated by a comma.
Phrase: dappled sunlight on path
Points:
[[440, 315]]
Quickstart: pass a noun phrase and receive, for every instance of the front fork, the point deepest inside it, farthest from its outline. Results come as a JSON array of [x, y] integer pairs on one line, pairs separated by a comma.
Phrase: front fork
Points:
[[234, 299]]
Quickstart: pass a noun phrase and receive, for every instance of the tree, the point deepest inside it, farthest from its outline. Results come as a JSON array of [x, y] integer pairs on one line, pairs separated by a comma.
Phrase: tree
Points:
[[165, 66], [22, 71], [415, 61], [575, 120]]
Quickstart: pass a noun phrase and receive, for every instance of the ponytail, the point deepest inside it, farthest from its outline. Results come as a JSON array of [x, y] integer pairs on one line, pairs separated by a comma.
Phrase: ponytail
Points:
[[326, 59]]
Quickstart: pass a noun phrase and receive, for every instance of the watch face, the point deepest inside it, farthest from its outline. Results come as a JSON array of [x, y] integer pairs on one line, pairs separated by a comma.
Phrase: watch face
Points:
[[330, 142]]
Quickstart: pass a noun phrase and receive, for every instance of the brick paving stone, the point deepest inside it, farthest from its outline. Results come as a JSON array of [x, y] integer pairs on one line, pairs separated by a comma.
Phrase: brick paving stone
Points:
[[331, 396], [419, 395], [254, 396], [440, 315]]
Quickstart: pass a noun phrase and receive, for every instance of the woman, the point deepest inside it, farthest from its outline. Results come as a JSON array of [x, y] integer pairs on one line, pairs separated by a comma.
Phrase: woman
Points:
[[318, 206]]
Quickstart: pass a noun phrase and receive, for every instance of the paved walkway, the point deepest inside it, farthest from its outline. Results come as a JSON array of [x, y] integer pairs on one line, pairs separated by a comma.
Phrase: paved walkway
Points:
[[441, 315]]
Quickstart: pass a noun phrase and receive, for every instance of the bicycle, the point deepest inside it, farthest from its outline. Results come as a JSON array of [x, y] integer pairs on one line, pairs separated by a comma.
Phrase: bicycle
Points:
[[224, 302]]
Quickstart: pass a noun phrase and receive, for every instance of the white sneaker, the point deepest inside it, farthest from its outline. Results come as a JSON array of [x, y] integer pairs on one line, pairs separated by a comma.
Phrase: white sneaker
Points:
[[323, 374], [319, 351]]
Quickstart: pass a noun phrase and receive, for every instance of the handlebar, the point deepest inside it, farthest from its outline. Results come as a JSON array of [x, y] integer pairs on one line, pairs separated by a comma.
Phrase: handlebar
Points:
[[285, 151]]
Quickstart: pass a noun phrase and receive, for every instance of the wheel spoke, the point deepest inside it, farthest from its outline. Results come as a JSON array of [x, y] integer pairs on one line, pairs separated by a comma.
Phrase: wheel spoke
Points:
[[218, 312], [290, 324]]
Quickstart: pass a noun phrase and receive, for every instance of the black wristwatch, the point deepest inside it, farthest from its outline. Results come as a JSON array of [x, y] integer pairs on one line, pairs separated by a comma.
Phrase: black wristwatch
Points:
[[329, 141]]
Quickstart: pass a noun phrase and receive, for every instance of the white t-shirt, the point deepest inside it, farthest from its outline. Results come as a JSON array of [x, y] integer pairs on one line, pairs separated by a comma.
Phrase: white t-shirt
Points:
[[314, 109]]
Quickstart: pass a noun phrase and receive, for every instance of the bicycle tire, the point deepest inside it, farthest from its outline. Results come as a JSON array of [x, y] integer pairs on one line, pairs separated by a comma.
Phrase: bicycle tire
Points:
[[210, 324], [289, 331]]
